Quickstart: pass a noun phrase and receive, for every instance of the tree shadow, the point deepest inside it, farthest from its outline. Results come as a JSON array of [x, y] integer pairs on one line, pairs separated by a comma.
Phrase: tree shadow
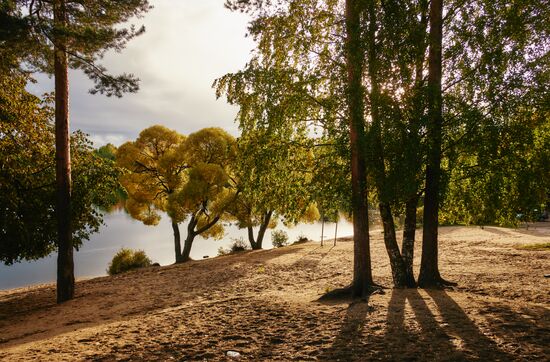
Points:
[[349, 344], [466, 335], [312, 259], [125, 296], [420, 327], [525, 330], [421, 337]]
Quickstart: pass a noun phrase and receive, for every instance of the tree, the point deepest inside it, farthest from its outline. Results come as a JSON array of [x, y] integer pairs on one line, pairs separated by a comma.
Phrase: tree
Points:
[[274, 160], [60, 34], [429, 269], [27, 230], [272, 175], [186, 177], [303, 39], [362, 272], [156, 167], [210, 188], [27, 177], [495, 57]]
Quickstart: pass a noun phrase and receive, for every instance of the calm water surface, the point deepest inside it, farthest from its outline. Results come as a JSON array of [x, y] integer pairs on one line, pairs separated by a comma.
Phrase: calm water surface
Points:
[[120, 230]]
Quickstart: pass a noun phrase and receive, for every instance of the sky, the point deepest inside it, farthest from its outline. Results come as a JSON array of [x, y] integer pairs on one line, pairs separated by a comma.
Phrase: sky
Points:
[[186, 46]]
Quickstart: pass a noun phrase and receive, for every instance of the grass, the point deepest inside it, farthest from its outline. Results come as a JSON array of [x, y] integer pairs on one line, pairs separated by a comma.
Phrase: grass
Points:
[[543, 246]]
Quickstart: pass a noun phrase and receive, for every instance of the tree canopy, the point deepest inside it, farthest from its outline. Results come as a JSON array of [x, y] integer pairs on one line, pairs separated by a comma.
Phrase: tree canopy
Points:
[[188, 178], [440, 100], [27, 177]]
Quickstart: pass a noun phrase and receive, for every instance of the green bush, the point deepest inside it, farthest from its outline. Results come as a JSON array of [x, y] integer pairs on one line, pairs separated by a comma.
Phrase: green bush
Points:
[[128, 259], [279, 238], [236, 246], [301, 239]]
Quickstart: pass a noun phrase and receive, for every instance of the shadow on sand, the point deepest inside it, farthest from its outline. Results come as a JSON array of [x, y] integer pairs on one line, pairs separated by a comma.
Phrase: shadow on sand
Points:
[[102, 300], [415, 328]]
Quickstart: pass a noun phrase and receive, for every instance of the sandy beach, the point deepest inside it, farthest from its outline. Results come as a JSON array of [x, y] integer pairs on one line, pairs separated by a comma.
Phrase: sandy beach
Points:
[[264, 305]]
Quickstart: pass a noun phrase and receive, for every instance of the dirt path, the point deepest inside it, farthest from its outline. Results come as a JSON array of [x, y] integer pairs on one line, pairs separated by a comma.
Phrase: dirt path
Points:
[[263, 305]]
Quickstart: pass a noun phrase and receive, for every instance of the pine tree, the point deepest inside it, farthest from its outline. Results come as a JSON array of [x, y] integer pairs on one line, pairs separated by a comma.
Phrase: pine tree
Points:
[[53, 36]]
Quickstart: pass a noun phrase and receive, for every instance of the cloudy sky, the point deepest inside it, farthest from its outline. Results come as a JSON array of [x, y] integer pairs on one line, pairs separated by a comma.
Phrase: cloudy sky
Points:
[[188, 44]]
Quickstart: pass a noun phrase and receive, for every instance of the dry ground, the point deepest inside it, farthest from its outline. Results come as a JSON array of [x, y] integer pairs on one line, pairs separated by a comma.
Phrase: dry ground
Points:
[[263, 305]]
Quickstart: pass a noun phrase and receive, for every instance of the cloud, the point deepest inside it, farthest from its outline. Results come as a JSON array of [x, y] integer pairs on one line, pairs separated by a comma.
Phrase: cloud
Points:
[[187, 45]]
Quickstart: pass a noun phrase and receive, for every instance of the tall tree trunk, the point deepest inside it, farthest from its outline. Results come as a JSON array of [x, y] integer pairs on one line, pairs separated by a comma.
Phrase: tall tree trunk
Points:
[[257, 244], [177, 241], [413, 142], [429, 268], [188, 243], [409, 234], [379, 168], [251, 239], [65, 262], [390, 240], [263, 227], [362, 273]]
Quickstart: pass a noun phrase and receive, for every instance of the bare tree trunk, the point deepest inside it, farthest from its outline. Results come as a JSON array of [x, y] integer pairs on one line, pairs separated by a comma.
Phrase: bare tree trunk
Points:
[[257, 244], [413, 140], [177, 241], [263, 227], [192, 233], [390, 240], [251, 240], [379, 168], [188, 243], [429, 268], [362, 273], [409, 234], [65, 262]]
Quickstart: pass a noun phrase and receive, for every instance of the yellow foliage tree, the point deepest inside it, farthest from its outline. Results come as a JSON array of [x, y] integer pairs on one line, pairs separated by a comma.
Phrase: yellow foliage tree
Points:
[[155, 166], [185, 177], [210, 188]]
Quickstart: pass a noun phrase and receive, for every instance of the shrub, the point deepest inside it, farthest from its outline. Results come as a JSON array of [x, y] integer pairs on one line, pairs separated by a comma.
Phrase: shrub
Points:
[[301, 239], [128, 259], [236, 246], [279, 238]]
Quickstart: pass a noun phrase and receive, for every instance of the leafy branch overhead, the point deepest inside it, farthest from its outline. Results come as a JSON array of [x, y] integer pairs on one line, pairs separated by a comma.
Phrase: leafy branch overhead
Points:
[[92, 29], [27, 178]]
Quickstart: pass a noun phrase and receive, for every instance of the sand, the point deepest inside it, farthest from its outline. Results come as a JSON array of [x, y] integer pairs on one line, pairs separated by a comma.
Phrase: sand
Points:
[[263, 305]]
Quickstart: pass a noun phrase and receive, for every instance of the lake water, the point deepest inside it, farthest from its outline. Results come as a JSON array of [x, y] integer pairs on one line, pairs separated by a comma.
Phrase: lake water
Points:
[[120, 230]]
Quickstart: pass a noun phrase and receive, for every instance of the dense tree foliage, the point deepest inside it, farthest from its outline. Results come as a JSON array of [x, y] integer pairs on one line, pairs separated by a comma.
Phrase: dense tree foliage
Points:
[[274, 163], [27, 178], [51, 37], [273, 175], [189, 178], [506, 188], [210, 188], [496, 97], [444, 84]]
